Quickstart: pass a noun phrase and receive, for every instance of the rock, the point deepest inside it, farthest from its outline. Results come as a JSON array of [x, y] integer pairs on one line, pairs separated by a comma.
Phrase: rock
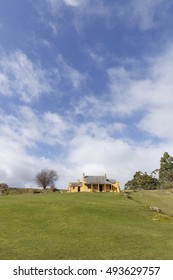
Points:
[[154, 208]]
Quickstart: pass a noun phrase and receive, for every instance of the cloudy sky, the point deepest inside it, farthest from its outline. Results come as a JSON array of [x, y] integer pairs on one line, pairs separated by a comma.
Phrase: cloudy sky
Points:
[[85, 86]]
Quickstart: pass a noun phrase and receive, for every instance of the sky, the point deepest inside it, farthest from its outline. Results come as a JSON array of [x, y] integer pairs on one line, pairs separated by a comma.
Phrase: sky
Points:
[[86, 86]]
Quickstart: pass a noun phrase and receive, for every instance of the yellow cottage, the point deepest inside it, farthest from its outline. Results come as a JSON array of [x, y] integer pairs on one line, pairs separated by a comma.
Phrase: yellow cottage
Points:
[[94, 184]]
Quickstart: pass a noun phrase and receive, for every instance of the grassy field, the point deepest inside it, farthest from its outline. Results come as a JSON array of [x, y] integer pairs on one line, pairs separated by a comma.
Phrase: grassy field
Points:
[[86, 226]]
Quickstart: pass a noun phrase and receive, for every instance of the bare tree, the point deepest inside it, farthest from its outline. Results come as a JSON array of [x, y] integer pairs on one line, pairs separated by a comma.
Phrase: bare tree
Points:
[[46, 178]]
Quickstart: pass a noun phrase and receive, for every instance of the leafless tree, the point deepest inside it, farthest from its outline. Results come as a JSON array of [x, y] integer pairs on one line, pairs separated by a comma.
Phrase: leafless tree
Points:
[[46, 178]]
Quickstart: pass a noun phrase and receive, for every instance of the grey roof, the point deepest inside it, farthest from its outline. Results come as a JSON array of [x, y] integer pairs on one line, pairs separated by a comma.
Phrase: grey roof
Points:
[[112, 181], [75, 184], [97, 180]]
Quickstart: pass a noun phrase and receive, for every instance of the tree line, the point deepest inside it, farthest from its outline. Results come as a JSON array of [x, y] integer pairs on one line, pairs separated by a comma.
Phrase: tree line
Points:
[[161, 178]]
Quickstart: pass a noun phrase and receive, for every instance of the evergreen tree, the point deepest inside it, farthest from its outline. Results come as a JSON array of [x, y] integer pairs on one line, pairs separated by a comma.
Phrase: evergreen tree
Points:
[[142, 180], [166, 169]]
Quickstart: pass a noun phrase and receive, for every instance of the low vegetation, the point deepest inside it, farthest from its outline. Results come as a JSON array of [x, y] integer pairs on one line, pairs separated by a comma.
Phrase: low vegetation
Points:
[[13, 191], [87, 225]]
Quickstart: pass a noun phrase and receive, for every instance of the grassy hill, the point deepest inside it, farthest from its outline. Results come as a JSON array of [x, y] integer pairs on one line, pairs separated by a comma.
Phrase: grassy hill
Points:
[[86, 226]]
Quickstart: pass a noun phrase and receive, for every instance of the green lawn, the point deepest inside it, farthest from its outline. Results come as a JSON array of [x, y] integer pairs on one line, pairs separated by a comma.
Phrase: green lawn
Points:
[[86, 226]]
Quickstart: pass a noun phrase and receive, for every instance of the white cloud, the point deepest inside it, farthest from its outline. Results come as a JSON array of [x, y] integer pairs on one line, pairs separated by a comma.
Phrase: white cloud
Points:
[[82, 11], [90, 105], [100, 56], [141, 93], [73, 3], [152, 88], [16, 168], [76, 78], [20, 77], [145, 15], [98, 59], [118, 158], [31, 128], [88, 148], [54, 27], [56, 5], [55, 129], [158, 123], [22, 136], [138, 92], [4, 85]]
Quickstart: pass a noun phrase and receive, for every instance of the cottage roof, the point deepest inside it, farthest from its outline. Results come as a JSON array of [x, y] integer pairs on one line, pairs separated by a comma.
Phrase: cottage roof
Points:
[[112, 181], [98, 180], [75, 184]]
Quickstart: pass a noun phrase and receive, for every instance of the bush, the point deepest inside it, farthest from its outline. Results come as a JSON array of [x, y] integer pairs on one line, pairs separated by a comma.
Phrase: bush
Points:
[[3, 186], [165, 186], [53, 189], [36, 191]]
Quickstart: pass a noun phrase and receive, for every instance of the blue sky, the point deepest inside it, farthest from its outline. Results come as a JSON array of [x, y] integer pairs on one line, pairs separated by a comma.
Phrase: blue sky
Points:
[[85, 86]]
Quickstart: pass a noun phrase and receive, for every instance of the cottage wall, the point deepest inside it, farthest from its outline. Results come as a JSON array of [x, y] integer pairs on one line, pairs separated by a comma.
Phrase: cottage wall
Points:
[[72, 189]]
